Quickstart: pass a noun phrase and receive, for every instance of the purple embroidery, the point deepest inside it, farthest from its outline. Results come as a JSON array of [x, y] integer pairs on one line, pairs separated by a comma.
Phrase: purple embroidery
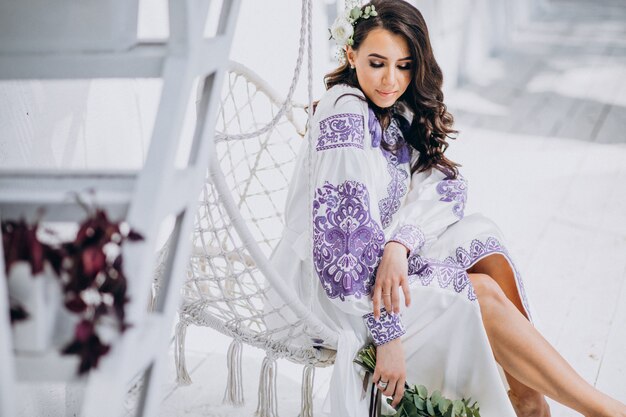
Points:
[[393, 136], [399, 174], [347, 242], [479, 250], [446, 274], [341, 130], [452, 272], [454, 190], [374, 127], [386, 329], [409, 235], [396, 189]]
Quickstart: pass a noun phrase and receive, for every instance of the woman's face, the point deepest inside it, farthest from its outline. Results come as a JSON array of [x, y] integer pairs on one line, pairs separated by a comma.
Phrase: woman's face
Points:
[[383, 66]]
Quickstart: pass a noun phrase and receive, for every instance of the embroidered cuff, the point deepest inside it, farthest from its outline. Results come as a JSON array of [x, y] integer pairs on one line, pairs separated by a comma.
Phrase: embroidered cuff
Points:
[[386, 329], [409, 235]]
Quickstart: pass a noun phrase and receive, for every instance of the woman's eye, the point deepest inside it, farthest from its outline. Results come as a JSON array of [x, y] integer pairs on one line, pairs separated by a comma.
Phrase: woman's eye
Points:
[[375, 65], [405, 67]]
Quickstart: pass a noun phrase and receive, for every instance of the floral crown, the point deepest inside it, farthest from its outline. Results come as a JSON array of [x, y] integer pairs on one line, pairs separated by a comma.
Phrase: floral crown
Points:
[[342, 29]]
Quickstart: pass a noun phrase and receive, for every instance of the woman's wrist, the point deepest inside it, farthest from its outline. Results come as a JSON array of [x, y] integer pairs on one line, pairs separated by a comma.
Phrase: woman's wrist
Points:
[[391, 344], [394, 246]]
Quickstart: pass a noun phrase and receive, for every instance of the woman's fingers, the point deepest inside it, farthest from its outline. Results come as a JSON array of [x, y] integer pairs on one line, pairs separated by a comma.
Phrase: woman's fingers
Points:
[[387, 297], [395, 300], [399, 393], [407, 292], [376, 300], [391, 387]]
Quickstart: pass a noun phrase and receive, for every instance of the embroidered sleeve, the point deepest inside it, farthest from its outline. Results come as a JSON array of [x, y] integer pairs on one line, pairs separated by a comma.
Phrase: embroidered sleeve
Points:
[[455, 191], [348, 238], [409, 235], [341, 130], [434, 202], [347, 241]]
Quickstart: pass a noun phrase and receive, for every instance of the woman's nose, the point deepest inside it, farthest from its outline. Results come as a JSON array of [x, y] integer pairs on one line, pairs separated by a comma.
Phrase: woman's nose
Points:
[[389, 78]]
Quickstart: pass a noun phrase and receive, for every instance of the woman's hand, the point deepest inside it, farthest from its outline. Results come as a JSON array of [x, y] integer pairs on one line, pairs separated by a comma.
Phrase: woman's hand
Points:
[[391, 368], [392, 273]]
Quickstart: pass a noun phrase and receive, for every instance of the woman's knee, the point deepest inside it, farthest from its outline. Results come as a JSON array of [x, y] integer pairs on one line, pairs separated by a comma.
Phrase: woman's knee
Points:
[[487, 289]]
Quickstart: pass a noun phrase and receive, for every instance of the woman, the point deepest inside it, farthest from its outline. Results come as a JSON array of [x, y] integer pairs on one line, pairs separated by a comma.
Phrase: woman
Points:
[[387, 220]]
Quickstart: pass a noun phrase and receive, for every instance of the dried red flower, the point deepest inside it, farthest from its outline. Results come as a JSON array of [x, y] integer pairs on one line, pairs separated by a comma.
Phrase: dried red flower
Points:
[[84, 266]]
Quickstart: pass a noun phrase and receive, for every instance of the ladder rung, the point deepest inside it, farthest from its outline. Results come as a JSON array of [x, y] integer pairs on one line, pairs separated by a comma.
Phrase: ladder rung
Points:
[[142, 61], [24, 193], [145, 60]]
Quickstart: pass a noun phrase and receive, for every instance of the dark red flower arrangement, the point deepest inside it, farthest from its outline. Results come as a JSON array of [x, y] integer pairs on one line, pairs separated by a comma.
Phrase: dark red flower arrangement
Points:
[[90, 273]]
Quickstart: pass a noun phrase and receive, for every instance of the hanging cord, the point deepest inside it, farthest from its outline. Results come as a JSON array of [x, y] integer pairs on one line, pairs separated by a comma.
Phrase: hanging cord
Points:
[[311, 156], [294, 81], [234, 382]]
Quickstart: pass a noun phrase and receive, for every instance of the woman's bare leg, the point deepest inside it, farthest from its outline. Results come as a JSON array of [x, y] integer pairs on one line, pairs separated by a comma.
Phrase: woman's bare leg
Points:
[[530, 359], [526, 401]]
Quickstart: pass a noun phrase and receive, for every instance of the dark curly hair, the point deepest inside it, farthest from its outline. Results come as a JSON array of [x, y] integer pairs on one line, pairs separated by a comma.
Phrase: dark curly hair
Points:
[[432, 123]]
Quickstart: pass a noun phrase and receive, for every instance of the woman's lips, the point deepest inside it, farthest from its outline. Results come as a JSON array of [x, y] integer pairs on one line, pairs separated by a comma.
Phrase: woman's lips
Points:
[[385, 94]]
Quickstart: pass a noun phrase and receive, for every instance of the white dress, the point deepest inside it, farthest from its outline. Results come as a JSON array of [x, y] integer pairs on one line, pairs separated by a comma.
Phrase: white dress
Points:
[[363, 197]]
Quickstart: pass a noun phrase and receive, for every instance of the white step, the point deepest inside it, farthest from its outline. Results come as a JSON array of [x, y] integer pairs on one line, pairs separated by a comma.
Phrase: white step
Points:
[[145, 60]]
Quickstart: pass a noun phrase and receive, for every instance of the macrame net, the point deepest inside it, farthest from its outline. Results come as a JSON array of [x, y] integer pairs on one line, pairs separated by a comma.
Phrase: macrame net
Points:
[[226, 290]]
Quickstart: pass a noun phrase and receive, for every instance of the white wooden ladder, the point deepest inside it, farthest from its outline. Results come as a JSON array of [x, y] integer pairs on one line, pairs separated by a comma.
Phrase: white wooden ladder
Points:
[[143, 199]]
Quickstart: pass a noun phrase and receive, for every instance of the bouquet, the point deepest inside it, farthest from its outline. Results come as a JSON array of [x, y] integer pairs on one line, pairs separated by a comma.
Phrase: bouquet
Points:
[[416, 402]]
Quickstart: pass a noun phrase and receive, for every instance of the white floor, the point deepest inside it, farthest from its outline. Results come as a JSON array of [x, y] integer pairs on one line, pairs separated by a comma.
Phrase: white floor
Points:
[[543, 145]]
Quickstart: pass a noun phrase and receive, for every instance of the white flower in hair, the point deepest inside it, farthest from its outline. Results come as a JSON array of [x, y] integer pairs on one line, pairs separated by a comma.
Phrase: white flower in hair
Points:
[[341, 31], [343, 26]]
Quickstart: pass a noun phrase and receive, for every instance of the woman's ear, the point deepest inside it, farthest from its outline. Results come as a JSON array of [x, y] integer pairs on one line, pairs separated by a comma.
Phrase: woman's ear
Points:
[[351, 55]]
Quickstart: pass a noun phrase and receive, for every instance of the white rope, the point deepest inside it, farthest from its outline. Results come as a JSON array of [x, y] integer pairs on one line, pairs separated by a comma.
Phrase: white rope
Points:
[[310, 163], [234, 382], [182, 376], [308, 380], [268, 405], [294, 81]]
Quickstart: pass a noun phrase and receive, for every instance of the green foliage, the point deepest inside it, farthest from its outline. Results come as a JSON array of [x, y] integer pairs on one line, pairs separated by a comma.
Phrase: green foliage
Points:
[[416, 402]]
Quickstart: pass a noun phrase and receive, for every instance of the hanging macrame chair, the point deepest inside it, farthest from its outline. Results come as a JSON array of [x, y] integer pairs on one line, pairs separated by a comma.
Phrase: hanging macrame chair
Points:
[[231, 286]]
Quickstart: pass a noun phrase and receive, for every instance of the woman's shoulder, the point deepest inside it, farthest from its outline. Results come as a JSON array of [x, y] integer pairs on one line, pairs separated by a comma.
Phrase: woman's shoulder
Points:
[[342, 98]]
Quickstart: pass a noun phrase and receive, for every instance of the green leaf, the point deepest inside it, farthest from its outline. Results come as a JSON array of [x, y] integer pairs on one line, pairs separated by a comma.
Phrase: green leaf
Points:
[[422, 391], [409, 407], [374, 13], [458, 407], [419, 402], [355, 13], [429, 408], [444, 404], [435, 398]]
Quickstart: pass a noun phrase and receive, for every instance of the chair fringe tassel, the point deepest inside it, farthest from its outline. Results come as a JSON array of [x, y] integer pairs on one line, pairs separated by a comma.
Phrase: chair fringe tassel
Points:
[[234, 382], [308, 377], [267, 406], [182, 376]]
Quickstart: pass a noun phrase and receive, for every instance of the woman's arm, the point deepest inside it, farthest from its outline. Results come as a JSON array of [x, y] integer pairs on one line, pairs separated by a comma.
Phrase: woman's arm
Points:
[[433, 203], [348, 239]]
